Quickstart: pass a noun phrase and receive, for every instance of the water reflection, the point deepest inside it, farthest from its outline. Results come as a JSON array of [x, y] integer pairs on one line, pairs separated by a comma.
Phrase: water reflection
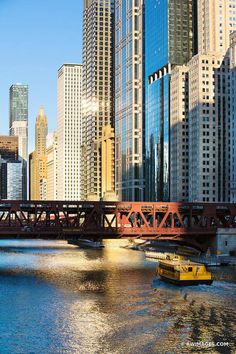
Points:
[[56, 298]]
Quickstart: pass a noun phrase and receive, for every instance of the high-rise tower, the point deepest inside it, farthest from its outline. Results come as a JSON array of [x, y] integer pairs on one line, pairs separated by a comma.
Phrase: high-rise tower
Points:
[[200, 110], [98, 57], [129, 98], [69, 131], [10, 169], [38, 172], [169, 41], [18, 126], [233, 117]]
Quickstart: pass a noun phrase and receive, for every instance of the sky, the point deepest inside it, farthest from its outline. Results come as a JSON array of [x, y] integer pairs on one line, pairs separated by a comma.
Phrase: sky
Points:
[[36, 38]]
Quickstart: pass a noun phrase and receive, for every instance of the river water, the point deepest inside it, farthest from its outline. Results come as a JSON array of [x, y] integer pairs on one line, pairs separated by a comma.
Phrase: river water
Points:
[[56, 298]]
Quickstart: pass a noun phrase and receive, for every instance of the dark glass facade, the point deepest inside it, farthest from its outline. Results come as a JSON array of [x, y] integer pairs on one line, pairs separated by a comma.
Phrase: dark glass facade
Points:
[[157, 141], [18, 103], [168, 42], [18, 126]]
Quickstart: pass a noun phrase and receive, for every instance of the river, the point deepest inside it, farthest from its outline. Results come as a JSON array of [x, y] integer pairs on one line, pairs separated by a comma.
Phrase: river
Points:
[[56, 298]]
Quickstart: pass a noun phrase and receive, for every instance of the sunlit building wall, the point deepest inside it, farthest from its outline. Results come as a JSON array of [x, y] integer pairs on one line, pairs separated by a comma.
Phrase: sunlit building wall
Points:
[[129, 99], [98, 111], [216, 20], [107, 152], [52, 166], [38, 159], [69, 131]]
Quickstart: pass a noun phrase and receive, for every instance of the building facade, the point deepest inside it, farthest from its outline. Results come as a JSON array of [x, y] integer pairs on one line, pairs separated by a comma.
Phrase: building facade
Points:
[[18, 126], [107, 152], [32, 176], [9, 148], [129, 99], [11, 178], [216, 20], [203, 109], [169, 41], [200, 130], [98, 111], [38, 159], [69, 131], [209, 142], [233, 117], [10, 169], [51, 153], [179, 139]]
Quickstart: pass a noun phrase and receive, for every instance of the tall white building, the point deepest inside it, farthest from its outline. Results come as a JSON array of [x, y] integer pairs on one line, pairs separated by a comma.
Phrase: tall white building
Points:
[[209, 128], [207, 95], [216, 20], [68, 131], [98, 107]]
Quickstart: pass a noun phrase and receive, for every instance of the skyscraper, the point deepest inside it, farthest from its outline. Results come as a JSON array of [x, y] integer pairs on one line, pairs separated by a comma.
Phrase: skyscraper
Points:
[[69, 131], [208, 165], [38, 170], [10, 169], [169, 41], [11, 178], [200, 119], [98, 111], [18, 126], [129, 99], [233, 117]]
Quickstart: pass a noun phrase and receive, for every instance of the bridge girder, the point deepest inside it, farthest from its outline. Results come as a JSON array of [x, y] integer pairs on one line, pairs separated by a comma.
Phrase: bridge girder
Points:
[[177, 221]]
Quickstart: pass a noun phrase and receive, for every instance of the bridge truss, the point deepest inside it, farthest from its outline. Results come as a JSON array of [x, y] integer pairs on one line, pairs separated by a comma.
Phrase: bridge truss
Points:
[[192, 223]]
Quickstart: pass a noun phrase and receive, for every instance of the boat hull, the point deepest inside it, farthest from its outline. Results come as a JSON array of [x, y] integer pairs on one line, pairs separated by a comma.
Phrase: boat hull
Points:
[[186, 282]]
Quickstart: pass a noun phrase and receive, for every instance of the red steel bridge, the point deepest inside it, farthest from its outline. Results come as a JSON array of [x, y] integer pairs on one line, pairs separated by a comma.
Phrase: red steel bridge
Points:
[[193, 224]]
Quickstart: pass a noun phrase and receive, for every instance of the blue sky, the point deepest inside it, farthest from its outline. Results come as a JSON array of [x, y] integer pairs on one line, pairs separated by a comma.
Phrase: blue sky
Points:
[[36, 38]]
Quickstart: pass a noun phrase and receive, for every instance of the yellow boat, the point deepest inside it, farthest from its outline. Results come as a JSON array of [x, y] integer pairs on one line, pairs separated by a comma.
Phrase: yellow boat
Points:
[[183, 272]]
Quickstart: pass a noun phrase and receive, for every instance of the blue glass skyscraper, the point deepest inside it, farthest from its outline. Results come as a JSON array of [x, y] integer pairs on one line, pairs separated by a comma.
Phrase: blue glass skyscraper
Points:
[[169, 41]]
